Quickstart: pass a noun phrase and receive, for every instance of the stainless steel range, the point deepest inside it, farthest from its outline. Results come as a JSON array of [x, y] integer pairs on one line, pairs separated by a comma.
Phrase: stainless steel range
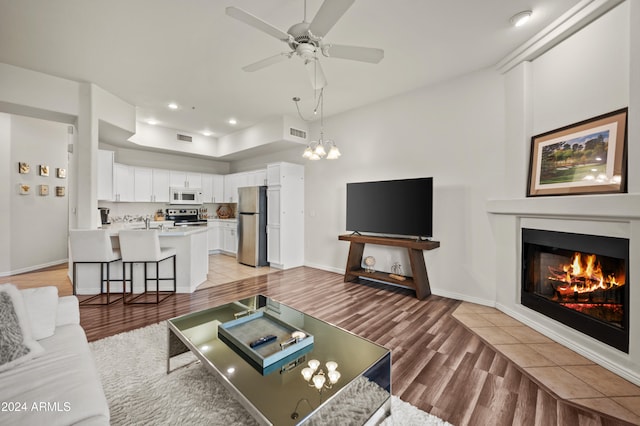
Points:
[[185, 217]]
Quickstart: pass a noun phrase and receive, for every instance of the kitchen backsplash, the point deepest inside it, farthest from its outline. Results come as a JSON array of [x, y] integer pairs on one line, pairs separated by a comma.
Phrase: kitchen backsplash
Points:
[[133, 211]]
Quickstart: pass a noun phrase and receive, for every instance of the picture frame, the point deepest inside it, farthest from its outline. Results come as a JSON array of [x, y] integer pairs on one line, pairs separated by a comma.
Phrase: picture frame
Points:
[[23, 168], [61, 173], [44, 190], [60, 191], [589, 157], [43, 170], [24, 189]]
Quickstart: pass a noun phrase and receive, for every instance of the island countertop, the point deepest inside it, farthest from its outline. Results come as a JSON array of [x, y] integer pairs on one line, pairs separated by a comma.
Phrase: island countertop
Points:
[[170, 231]]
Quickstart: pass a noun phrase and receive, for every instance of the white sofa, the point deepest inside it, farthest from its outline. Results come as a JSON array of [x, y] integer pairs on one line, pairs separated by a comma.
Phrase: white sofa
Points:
[[60, 386]]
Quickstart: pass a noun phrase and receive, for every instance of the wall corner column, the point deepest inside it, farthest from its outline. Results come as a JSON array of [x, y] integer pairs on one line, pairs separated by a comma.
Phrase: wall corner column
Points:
[[86, 153], [519, 117]]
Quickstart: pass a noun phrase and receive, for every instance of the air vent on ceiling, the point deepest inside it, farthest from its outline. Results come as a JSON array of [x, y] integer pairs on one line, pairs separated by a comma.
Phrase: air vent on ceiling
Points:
[[297, 133], [185, 138]]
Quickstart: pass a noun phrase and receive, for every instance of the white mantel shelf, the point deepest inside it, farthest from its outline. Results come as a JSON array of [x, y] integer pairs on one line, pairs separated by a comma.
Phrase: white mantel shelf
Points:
[[609, 206]]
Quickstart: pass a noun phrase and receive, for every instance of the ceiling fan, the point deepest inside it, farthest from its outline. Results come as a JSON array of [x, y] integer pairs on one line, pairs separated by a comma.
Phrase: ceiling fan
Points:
[[305, 39]]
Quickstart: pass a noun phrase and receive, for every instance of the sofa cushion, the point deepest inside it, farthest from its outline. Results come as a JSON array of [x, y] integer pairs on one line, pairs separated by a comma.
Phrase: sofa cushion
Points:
[[16, 343], [61, 387], [42, 306]]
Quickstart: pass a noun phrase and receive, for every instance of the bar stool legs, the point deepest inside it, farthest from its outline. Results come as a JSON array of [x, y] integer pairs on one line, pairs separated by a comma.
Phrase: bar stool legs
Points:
[[90, 301], [133, 299]]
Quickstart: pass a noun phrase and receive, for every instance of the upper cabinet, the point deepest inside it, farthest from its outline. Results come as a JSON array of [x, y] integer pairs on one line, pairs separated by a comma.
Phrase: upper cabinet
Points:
[[161, 185], [142, 184], [212, 188], [238, 180], [121, 182], [105, 175], [185, 179], [123, 178]]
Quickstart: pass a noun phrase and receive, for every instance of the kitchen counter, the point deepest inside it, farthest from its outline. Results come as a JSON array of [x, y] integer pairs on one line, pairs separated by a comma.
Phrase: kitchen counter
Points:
[[192, 260]]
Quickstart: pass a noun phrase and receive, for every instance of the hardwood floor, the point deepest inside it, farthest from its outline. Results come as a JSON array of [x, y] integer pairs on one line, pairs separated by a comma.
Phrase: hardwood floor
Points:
[[438, 364]]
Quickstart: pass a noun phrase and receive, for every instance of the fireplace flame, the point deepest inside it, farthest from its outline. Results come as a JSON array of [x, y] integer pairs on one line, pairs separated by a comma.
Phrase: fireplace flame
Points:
[[584, 274]]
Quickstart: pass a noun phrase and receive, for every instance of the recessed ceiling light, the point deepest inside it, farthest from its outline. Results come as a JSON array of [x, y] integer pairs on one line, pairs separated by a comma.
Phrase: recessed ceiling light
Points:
[[233, 121], [173, 105], [206, 133], [519, 19], [152, 122]]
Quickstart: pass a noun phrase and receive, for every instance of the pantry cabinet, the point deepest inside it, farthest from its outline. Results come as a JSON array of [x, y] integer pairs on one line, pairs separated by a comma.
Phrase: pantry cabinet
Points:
[[285, 215]]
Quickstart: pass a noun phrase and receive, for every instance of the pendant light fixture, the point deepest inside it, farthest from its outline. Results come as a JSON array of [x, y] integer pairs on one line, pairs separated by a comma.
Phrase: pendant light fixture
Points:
[[321, 148]]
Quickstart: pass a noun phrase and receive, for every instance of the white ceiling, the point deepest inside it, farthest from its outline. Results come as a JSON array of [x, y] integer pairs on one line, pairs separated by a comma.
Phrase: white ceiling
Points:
[[152, 52]]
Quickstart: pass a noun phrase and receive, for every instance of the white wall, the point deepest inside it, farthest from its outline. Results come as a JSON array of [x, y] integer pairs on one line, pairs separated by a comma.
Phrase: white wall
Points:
[[584, 76], [38, 224], [5, 191], [453, 132]]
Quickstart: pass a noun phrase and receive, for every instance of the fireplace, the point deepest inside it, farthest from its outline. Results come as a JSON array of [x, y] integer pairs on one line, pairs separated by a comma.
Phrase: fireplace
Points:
[[579, 280]]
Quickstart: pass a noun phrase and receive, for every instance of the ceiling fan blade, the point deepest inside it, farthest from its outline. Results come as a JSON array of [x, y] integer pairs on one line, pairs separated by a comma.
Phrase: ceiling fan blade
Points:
[[355, 53], [318, 80], [266, 62], [257, 23], [328, 14]]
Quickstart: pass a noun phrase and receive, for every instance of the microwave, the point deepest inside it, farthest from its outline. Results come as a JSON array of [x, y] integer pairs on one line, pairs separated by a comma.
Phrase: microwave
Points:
[[185, 195]]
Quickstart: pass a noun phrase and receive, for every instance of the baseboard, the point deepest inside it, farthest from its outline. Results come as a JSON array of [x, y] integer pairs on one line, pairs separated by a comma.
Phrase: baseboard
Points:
[[324, 267], [33, 268]]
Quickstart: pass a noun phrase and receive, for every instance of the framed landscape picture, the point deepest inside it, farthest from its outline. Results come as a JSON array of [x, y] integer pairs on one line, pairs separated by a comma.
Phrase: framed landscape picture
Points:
[[589, 157]]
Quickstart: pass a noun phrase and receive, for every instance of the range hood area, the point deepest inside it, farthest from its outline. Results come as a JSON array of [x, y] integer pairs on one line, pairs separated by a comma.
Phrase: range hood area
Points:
[[279, 133]]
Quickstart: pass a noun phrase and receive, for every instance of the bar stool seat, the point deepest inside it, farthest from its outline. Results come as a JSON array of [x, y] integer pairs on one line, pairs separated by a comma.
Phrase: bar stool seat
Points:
[[143, 246], [93, 246]]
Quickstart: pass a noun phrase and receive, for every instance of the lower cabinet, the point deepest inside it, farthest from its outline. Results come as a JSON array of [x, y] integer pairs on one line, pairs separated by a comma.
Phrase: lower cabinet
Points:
[[214, 236], [222, 237], [230, 237]]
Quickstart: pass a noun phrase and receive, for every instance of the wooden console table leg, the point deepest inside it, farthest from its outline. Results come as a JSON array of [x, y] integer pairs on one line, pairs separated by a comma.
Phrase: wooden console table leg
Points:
[[419, 271], [354, 261]]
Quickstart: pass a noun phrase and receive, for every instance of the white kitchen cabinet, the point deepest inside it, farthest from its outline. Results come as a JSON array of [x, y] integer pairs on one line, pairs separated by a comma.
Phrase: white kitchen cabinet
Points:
[[123, 178], [230, 237], [142, 184], [161, 179], [212, 188], [185, 179], [105, 175], [231, 188], [214, 236], [285, 215], [259, 177]]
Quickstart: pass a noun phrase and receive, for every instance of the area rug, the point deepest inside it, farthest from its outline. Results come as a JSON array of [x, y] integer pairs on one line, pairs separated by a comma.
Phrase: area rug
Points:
[[132, 368]]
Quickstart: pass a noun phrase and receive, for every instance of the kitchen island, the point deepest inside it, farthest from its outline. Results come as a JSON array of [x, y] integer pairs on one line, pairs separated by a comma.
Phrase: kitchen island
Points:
[[192, 261]]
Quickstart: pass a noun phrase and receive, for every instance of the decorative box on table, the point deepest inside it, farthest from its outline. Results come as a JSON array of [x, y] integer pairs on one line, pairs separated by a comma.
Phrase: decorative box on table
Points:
[[270, 356]]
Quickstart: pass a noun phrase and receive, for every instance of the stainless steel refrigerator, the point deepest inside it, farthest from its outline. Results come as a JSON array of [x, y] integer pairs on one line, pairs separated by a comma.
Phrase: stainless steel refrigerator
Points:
[[252, 225]]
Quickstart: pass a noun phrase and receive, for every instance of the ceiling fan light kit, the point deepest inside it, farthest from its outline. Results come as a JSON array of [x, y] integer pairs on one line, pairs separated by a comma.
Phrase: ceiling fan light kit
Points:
[[317, 150]]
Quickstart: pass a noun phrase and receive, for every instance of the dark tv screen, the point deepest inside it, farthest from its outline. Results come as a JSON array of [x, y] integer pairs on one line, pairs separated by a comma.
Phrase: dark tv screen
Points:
[[398, 207]]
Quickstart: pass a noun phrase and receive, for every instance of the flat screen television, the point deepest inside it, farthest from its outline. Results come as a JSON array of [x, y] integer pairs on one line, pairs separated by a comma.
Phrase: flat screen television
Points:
[[399, 207]]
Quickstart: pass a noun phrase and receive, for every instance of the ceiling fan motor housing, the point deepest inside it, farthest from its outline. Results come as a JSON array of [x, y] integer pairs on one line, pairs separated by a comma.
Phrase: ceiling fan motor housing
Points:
[[301, 35]]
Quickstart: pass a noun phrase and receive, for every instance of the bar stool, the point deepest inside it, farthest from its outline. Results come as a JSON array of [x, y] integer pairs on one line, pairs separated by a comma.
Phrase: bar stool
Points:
[[143, 246], [94, 246]]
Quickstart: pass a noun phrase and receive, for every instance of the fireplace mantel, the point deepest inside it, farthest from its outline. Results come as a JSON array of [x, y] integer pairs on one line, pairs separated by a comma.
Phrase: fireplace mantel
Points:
[[610, 206]]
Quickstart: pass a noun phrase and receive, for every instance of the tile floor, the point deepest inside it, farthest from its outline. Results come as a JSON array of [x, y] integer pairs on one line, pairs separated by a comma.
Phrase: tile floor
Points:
[[563, 372], [224, 269]]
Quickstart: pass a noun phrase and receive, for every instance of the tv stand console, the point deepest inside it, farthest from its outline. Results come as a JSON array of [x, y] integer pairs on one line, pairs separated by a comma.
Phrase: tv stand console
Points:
[[420, 280]]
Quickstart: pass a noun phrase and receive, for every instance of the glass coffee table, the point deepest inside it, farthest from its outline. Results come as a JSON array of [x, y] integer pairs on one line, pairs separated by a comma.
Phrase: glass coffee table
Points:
[[347, 379]]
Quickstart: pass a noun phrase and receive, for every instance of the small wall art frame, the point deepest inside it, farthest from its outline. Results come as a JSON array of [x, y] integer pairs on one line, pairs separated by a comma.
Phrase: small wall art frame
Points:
[[44, 190], [60, 191], [23, 168], [24, 189], [61, 173], [43, 170], [589, 157]]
